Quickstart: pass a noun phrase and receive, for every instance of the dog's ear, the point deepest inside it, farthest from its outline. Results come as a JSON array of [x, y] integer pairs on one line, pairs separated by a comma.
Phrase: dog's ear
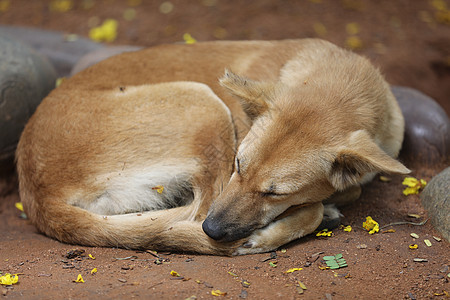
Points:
[[252, 94], [361, 156]]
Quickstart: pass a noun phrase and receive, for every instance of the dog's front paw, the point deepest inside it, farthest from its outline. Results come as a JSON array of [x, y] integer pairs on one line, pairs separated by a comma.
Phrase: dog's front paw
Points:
[[251, 247], [261, 240], [301, 222]]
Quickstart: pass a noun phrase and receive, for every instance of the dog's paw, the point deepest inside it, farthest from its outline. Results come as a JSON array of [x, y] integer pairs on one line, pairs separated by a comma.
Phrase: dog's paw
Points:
[[262, 240], [331, 217], [254, 245], [296, 225]]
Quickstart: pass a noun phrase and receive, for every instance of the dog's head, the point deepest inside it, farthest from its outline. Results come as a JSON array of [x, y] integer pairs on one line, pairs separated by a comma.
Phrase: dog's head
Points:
[[293, 155]]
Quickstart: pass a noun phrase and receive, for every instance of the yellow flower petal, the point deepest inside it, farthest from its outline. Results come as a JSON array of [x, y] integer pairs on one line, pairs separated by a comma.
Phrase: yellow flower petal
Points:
[[94, 270], [324, 232], [348, 228], [302, 285], [79, 279], [413, 246], [218, 293], [174, 273], [291, 270], [9, 279], [188, 39], [92, 257], [371, 225], [107, 32], [19, 206], [413, 185], [158, 188], [354, 42]]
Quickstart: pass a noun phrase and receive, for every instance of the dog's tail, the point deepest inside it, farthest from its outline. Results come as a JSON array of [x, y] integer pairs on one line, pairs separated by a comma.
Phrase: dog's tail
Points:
[[172, 229]]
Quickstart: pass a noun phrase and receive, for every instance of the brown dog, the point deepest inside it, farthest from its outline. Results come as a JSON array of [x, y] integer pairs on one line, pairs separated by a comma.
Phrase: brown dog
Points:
[[150, 150]]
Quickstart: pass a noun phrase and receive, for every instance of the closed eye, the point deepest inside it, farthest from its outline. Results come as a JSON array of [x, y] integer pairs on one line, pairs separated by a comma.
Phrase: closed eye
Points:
[[272, 194]]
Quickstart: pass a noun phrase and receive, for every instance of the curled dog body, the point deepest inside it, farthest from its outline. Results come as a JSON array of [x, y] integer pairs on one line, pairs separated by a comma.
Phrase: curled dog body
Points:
[[245, 157]]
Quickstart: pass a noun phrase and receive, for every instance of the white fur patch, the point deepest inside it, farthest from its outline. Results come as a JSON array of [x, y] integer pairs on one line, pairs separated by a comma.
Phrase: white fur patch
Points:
[[136, 190], [295, 71]]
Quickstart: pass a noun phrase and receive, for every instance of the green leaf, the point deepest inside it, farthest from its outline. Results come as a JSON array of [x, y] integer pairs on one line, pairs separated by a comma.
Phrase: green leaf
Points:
[[329, 258]]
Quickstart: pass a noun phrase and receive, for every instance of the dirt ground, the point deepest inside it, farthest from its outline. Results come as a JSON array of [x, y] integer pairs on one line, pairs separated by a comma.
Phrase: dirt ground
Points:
[[380, 266], [410, 42]]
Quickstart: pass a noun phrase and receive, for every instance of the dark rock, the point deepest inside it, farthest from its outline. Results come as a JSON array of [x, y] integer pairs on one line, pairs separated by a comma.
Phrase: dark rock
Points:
[[427, 130], [98, 55], [436, 199], [25, 79], [63, 54]]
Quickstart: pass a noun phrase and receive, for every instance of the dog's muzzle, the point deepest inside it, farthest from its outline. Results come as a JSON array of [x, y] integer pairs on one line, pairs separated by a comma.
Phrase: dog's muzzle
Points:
[[225, 232]]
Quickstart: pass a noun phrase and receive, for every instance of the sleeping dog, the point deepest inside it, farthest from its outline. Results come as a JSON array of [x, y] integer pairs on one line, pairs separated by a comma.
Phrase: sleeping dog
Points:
[[217, 148]]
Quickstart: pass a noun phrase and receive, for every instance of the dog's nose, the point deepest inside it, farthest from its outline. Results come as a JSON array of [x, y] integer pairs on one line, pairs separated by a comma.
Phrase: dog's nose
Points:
[[213, 230]]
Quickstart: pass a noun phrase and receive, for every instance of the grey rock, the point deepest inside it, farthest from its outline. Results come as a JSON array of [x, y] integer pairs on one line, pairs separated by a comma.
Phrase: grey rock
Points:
[[436, 199], [98, 55], [63, 54], [427, 130], [26, 78]]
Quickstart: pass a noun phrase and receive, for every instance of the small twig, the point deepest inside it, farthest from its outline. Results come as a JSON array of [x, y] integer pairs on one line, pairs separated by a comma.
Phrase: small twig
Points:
[[152, 253], [273, 255], [125, 258], [154, 285], [404, 223]]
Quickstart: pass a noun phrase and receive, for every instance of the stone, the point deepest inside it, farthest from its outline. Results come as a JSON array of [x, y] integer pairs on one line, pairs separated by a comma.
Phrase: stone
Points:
[[62, 50], [427, 130], [436, 200], [96, 56], [26, 77]]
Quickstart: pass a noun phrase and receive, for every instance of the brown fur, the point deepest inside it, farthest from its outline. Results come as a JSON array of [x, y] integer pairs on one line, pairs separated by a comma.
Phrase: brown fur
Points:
[[307, 119]]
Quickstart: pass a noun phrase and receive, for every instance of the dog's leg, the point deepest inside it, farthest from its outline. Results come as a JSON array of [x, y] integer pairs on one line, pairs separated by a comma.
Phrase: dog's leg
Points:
[[301, 222], [331, 214], [331, 217]]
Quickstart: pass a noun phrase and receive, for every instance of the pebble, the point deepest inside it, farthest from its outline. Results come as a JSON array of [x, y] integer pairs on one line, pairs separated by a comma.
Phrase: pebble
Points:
[[63, 50], [436, 199], [427, 130], [26, 77]]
